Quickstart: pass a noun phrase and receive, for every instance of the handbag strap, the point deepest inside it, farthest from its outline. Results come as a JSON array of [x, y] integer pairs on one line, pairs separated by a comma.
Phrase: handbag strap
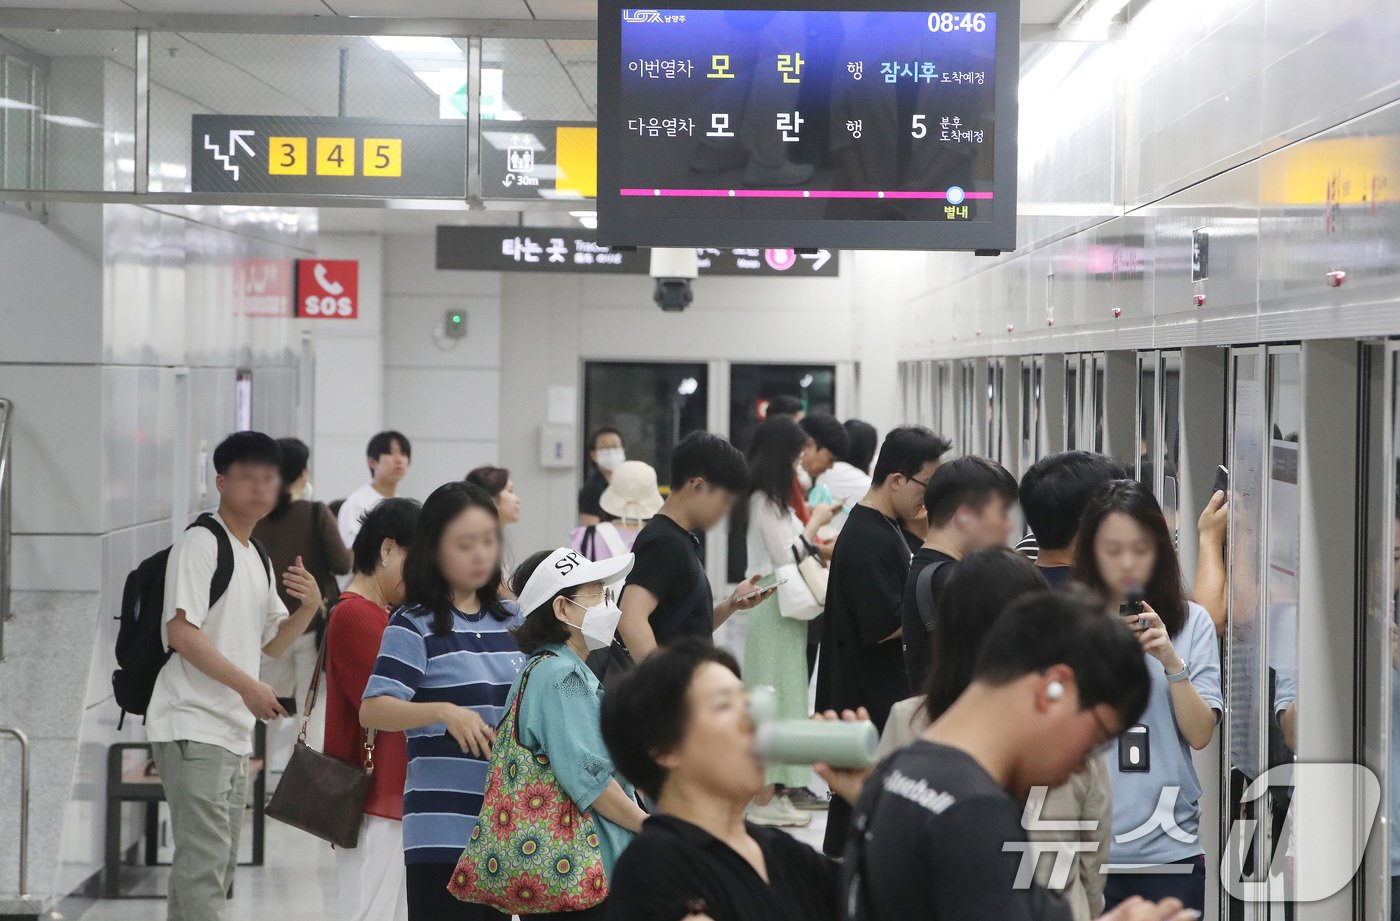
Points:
[[513, 714], [311, 695]]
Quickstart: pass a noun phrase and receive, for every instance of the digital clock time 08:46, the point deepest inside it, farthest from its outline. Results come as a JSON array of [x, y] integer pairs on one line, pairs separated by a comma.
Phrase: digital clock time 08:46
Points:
[[952, 22]]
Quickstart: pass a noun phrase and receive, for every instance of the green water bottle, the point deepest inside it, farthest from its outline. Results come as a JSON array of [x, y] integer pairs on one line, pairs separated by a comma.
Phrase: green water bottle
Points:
[[840, 744]]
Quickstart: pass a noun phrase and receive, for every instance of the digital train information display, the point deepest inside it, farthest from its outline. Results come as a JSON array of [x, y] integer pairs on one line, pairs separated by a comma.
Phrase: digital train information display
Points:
[[881, 128]]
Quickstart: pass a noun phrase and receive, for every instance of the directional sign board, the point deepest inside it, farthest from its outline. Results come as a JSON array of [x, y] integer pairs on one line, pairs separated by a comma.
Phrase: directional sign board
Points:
[[328, 156], [539, 159], [530, 249]]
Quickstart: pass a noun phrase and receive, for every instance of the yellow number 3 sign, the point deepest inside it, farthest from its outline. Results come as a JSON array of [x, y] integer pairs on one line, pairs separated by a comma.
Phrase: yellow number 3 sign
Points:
[[286, 156]]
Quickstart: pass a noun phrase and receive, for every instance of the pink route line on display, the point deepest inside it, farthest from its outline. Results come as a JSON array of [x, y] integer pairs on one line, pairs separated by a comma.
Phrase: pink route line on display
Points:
[[786, 193]]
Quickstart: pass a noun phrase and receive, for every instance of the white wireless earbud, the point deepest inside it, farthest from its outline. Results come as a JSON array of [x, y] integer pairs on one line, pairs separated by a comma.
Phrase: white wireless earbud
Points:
[[1054, 690]]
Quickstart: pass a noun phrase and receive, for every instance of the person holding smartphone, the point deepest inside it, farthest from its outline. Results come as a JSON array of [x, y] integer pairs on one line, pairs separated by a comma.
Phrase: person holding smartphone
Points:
[[775, 646], [1125, 552]]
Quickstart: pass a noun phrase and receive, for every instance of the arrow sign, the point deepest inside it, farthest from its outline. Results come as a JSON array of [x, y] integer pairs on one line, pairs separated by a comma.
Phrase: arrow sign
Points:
[[235, 140], [820, 258]]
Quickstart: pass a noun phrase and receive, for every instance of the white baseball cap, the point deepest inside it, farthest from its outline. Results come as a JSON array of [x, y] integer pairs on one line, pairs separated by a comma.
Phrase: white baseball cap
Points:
[[565, 568]]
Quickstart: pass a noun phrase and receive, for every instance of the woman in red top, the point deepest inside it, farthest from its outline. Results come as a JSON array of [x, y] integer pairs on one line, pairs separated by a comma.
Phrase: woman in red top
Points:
[[371, 876]]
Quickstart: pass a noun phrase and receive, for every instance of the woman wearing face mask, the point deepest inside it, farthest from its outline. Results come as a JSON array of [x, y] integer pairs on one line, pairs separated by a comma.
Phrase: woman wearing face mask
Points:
[[445, 665], [573, 611], [607, 452], [370, 876], [775, 646], [1125, 548]]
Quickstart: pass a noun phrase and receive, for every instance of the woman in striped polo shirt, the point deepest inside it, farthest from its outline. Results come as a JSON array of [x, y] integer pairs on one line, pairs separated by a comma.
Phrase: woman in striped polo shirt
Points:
[[445, 665]]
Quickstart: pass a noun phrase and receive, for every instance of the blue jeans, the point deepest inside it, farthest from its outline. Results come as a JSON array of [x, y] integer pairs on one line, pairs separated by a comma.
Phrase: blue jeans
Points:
[[1190, 887]]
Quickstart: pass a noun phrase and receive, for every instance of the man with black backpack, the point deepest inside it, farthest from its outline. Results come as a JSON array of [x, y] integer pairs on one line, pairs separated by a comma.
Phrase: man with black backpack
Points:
[[221, 610], [969, 503]]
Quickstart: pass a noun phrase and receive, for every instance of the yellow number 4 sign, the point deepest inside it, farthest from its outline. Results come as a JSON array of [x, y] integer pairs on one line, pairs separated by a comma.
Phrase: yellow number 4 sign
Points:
[[383, 157], [335, 156]]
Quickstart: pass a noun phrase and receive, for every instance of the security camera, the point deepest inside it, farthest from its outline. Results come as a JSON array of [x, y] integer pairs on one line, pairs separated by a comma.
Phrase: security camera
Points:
[[673, 270]]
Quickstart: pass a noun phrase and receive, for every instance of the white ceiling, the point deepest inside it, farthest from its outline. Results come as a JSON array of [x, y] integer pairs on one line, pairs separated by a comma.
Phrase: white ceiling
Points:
[[1033, 12]]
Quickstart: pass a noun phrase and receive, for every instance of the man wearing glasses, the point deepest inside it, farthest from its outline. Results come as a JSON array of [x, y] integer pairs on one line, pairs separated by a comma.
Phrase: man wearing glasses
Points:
[[862, 660]]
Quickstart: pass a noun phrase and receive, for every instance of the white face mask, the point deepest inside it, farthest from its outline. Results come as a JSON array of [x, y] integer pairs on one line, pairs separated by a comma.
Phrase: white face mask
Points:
[[611, 458], [599, 623], [306, 492], [804, 479]]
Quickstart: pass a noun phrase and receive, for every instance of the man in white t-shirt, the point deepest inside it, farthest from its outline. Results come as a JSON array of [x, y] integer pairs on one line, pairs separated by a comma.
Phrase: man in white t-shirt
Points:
[[208, 697], [388, 455]]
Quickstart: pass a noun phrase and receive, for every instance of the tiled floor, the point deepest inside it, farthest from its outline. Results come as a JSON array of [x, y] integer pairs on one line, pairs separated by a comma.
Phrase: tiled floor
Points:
[[297, 881]]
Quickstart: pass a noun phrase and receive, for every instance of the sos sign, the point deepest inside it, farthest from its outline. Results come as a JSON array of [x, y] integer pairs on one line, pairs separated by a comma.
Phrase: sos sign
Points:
[[328, 289]]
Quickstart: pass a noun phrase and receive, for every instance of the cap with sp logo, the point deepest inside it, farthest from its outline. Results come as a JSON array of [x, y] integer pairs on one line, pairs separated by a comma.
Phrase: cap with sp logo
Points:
[[566, 568]]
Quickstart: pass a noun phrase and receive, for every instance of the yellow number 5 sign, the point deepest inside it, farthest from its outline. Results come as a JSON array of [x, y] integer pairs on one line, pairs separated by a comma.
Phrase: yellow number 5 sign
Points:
[[383, 157]]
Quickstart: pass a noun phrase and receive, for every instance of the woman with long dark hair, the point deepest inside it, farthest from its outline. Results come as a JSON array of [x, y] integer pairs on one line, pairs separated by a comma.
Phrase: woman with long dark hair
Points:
[[775, 646], [298, 527], [445, 665], [1125, 552]]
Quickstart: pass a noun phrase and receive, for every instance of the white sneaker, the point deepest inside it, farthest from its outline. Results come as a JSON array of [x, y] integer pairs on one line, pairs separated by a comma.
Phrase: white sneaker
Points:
[[778, 813], [800, 819]]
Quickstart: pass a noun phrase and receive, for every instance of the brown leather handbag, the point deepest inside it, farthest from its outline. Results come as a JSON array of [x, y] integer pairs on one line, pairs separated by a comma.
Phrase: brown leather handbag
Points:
[[320, 794]]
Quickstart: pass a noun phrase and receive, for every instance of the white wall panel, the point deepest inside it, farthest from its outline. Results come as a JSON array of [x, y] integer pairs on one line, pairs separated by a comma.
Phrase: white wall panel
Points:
[[445, 403], [53, 282], [414, 338], [57, 447]]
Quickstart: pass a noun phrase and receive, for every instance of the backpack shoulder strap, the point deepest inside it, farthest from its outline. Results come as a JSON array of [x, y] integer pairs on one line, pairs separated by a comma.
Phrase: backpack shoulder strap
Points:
[[608, 532], [223, 568], [923, 593], [263, 555]]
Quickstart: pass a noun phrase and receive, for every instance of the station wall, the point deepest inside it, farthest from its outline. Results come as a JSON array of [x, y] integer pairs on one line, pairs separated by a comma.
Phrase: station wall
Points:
[[121, 393], [1283, 149]]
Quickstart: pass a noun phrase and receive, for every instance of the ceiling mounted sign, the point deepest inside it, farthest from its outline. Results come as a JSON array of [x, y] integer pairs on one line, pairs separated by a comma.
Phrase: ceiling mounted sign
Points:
[[532, 249], [551, 160], [261, 154]]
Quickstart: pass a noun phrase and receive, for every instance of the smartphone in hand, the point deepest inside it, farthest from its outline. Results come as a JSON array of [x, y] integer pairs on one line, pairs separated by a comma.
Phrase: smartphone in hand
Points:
[[1131, 610], [1222, 480], [761, 591]]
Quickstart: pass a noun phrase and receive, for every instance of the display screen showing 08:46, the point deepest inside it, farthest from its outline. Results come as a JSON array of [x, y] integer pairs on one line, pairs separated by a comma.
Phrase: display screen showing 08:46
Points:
[[762, 114]]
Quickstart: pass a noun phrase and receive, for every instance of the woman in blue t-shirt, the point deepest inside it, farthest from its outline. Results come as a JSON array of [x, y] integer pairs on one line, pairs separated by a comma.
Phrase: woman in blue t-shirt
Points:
[[445, 665], [1124, 547]]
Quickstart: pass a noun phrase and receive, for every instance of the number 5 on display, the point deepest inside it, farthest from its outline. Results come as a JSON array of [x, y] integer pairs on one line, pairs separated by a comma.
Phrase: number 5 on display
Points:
[[383, 157], [919, 129]]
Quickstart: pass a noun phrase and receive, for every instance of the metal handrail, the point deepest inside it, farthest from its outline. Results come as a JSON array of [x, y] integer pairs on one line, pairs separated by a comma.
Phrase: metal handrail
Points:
[[23, 741], [7, 412]]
